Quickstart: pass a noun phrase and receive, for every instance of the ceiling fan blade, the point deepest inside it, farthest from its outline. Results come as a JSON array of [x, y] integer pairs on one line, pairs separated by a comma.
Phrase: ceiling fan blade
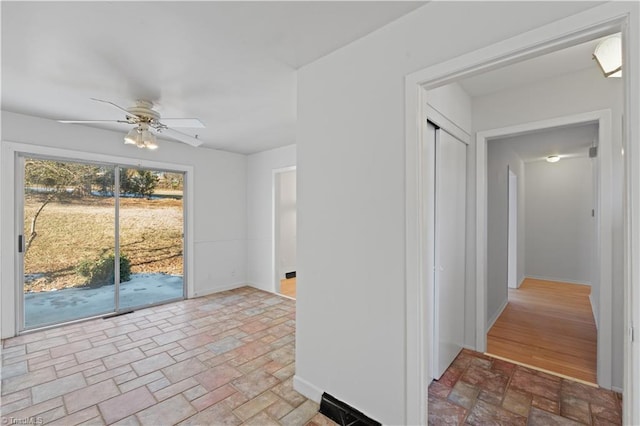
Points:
[[115, 105], [92, 121], [179, 136], [192, 123]]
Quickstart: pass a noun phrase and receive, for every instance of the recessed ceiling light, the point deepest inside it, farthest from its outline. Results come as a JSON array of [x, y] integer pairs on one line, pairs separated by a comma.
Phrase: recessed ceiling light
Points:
[[553, 159]]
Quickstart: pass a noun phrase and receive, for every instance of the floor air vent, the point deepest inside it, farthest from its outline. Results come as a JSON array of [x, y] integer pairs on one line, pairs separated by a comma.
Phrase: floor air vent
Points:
[[344, 414]]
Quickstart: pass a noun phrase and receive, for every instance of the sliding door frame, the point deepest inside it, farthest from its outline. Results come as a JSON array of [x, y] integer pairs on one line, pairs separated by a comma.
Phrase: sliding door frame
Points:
[[12, 315]]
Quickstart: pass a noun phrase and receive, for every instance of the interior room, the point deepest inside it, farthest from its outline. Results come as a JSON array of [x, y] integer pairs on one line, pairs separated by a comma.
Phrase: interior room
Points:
[[223, 213]]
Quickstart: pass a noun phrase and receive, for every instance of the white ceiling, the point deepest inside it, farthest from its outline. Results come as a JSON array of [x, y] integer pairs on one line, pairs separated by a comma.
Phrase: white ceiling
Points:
[[569, 60], [230, 64], [567, 142]]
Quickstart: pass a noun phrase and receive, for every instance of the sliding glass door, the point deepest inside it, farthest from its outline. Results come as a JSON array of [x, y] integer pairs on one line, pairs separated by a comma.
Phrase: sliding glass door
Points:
[[151, 227], [98, 239], [68, 228]]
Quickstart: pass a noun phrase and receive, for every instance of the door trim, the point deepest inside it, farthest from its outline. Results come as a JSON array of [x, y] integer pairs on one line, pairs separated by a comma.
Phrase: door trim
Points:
[[592, 23], [11, 228], [605, 182], [512, 229]]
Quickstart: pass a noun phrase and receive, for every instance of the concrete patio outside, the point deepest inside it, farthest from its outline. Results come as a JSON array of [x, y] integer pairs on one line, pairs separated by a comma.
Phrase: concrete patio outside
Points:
[[52, 307]]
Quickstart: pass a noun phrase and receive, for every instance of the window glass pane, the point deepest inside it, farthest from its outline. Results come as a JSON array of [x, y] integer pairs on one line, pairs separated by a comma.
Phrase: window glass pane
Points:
[[151, 236], [69, 240]]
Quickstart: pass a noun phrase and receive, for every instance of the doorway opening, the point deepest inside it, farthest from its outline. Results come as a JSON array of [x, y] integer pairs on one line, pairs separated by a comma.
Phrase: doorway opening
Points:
[[550, 38], [284, 231], [549, 298]]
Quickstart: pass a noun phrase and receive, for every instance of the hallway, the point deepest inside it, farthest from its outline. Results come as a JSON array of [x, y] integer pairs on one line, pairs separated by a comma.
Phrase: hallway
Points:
[[550, 326]]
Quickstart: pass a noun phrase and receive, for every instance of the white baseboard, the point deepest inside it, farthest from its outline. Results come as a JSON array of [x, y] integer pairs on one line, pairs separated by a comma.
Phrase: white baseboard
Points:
[[497, 315], [559, 280], [270, 288], [209, 291], [593, 310], [307, 389]]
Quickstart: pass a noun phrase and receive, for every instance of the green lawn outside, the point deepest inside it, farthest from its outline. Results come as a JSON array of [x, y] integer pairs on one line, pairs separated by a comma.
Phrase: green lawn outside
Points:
[[83, 227]]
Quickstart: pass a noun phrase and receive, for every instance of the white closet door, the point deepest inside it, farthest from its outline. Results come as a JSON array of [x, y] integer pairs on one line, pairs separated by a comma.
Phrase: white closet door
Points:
[[450, 231]]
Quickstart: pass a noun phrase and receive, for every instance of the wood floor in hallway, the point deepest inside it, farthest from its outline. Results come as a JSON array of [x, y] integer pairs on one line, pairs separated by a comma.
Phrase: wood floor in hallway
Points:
[[288, 287], [548, 325]]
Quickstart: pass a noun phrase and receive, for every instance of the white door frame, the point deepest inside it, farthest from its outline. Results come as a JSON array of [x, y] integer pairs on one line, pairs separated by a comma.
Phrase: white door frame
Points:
[[592, 23], [275, 225], [604, 243], [512, 229]]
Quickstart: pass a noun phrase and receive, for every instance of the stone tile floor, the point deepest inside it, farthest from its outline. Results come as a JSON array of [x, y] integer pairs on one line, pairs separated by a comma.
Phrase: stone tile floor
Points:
[[224, 359], [228, 359], [480, 390]]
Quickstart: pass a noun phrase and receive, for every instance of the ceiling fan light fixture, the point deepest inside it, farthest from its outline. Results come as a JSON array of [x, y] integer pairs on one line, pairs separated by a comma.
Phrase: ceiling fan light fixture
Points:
[[151, 143], [141, 137], [133, 137], [148, 139], [608, 55]]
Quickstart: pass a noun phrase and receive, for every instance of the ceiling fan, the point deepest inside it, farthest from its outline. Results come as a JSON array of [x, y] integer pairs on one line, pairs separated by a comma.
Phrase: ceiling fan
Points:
[[146, 119]]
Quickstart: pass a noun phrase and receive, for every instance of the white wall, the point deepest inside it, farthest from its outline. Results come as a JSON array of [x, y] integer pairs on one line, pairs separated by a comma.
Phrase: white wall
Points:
[[287, 223], [451, 103], [260, 167], [500, 158], [570, 94], [559, 225], [351, 306], [219, 199]]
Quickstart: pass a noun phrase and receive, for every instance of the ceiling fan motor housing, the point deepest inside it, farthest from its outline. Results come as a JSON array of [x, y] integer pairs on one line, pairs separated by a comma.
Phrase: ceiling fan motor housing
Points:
[[144, 111]]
